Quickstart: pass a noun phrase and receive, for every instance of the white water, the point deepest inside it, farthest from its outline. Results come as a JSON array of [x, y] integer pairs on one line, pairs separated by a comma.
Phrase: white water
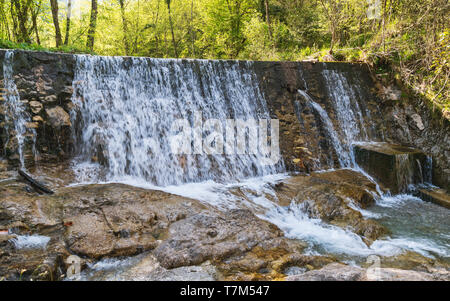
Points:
[[344, 97], [15, 111], [348, 111], [127, 107], [322, 238], [30, 241]]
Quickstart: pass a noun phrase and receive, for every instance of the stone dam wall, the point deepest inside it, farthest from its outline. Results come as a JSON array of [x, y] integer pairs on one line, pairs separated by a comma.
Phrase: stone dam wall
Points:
[[45, 85]]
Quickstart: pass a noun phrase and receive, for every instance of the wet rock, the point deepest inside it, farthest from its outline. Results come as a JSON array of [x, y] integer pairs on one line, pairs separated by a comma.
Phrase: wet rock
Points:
[[36, 107], [146, 267], [340, 272], [31, 264], [390, 274], [401, 127], [58, 117], [238, 231], [104, 221], [394, 166], [331, 197], [413, 261], [269, 262]]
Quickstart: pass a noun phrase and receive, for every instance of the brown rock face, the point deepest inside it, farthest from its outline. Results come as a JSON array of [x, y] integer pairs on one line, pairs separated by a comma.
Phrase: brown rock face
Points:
[[98, 221]]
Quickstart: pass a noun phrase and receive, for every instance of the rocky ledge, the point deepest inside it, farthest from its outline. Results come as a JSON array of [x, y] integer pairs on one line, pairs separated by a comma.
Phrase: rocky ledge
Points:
[[153, 235]]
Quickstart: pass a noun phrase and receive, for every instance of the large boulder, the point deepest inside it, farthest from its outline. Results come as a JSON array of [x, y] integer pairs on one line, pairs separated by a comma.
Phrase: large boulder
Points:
[[57, 117]]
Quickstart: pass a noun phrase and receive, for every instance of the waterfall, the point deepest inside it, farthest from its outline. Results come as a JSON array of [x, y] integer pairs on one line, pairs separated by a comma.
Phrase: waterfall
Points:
[[348, 111], [16, 116], [405, 167], [343, 157], [344, 97], [126, 108]]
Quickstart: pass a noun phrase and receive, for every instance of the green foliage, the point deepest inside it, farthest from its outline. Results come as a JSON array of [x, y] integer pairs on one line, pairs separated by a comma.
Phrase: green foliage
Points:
[[407, 38], [6, 44]]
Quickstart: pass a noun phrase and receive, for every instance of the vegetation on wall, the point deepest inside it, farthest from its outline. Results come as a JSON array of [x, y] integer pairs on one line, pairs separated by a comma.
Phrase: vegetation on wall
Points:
[[408, 38]]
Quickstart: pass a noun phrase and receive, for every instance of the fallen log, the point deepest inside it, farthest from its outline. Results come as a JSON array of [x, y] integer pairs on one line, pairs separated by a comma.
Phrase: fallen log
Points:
[[35, 184]]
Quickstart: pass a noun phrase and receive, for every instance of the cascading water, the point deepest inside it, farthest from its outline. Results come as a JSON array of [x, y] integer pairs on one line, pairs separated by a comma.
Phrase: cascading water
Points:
[[343, 156], [405, 170], [16, 116], [127, 106]]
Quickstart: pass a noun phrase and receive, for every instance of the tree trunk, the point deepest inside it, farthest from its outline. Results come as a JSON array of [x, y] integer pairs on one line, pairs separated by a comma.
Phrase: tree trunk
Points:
[[92, 26], [54, 6], [191, 29], [14, 22], [20, 10], [69, 14], [125, 27], [171, 29], [266, 3], [34, 14]]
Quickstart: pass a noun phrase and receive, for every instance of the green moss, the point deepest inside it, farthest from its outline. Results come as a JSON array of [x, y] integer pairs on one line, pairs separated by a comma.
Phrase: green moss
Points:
[[6, 44]]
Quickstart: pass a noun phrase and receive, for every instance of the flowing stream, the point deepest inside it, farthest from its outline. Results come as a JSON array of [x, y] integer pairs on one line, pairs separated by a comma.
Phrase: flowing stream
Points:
[[126, 109], [16, 116]]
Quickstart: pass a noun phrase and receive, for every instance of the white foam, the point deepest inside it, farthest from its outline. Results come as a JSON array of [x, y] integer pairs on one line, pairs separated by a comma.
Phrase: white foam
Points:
[[396, 200], [30, 241], [364, 212], [424, 247]]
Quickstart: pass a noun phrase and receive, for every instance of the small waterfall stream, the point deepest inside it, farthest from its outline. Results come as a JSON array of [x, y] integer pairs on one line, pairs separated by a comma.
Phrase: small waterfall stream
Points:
[[127, 107], [348, 111], [16, 117]]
